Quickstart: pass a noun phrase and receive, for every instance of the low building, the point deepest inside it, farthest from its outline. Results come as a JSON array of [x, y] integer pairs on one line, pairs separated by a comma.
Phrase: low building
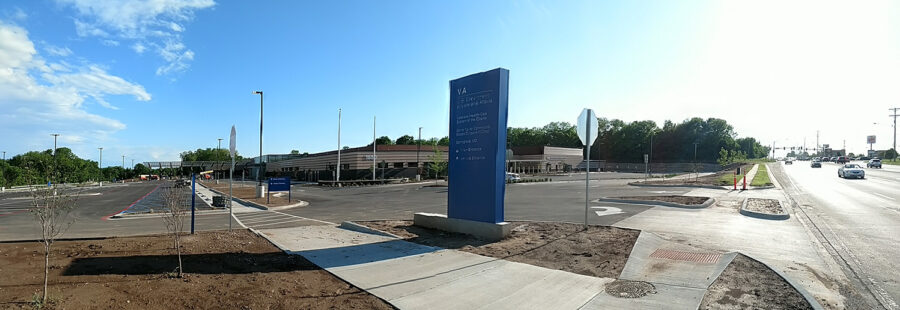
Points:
[[543, 159], [391, 161]]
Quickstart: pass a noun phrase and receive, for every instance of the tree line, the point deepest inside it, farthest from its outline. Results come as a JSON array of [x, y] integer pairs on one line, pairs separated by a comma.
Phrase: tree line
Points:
[[42, 167]]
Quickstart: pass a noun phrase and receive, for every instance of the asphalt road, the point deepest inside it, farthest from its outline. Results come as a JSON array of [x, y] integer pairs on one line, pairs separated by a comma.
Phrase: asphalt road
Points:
[[550, 201], [93, 207], [858, 221]]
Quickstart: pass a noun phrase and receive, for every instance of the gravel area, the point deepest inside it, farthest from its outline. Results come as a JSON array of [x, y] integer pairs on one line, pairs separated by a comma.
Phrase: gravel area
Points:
[[748, 284], [601, 251], [685, 200], [629, 289], [768, 206]]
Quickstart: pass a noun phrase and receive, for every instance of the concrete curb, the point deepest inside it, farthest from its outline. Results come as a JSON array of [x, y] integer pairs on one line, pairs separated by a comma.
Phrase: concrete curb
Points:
[[675, 185], [764, 216], [349, 225], [273, 242], [256, 205], [709, 201], [806, 295]]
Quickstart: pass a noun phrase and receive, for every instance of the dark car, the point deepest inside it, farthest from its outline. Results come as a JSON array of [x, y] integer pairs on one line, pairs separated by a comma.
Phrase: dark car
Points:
[[874, 163], [842, 160], [816, 164]]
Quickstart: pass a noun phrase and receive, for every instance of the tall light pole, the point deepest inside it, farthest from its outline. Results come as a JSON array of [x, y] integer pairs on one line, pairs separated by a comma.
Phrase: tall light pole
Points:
[[54, 142], [374, 119], [4, 155], [100, 166], [418, 149], [218, 149], [260, 191], [338, 168], [895, 125]]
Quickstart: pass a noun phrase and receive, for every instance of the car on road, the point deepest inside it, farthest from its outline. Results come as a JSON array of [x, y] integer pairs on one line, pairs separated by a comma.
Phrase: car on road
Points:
[[815, 164], [788, 161], [512, 176], [842, 160], [851, 171], [874, 163]]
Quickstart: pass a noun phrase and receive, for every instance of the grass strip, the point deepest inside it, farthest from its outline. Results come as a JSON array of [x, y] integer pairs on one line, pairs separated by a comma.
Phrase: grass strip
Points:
[[762, 177]]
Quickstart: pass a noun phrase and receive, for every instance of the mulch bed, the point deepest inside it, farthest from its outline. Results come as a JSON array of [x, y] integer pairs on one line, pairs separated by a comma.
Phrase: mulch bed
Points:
[[236, 270], [248, 193], [768, 206], [748, 284], [601, 251], [685, 200]]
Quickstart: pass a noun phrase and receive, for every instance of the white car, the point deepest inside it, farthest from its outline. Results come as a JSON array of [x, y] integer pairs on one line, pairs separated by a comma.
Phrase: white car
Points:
[[512, 177], [851, 171]]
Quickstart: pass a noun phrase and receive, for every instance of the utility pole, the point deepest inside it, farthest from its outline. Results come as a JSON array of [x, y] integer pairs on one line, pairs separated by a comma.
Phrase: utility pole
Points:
[[123, 161], [895, 125], [374, 119], [218, 149], [4, 155], [418, 149], [260, 191], [100, 165], [817, 144], [54, 142], [338, 168], [696, 172]]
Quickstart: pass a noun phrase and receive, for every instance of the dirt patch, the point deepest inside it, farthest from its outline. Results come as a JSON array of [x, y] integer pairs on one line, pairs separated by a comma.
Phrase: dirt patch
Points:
[[601, 251], [248, 193], [685, 200], [237, 270], [748, 284], [768, 206]]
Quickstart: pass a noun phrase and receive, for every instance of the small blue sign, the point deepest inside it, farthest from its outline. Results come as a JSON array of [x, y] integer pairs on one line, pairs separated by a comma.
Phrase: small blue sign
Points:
[[477, 159], [279, 184]]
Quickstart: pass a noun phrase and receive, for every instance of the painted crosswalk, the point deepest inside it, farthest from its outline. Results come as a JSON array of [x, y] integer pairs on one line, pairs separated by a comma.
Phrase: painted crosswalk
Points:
[[275, 219]]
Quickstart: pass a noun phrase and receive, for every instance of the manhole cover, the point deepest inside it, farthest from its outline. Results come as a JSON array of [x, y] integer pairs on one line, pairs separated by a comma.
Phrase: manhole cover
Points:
[[706, 258], [629, 289]]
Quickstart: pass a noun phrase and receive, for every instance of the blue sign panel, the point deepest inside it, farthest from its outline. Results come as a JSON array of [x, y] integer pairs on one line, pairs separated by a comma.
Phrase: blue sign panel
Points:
[[477, 156], [279, 184]]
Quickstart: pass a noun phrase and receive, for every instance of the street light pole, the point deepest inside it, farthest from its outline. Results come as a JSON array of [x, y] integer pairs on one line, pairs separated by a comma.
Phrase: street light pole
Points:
[[418, 149], [4, 155], [218, 149], [100, 166], [260, 191], [374, 119], [338, 167], [54, 142]]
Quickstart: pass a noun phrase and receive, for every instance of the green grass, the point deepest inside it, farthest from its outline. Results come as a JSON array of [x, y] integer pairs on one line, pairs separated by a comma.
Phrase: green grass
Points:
[[890, 162], [759, 161], [727, 179], [762, 177]]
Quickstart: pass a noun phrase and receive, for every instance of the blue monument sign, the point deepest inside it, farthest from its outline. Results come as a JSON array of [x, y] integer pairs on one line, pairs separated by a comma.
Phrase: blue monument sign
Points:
[[279, 185], [478, 105]]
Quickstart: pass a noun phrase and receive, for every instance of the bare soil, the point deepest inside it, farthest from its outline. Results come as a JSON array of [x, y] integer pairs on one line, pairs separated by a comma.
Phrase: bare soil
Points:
[[236, 270], [748, 284], [769, 206], [601, 251], [248, 193], [685, 200]]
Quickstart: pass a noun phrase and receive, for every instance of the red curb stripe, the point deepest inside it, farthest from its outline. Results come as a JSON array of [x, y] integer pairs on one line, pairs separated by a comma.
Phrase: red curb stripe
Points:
[[132, 204]]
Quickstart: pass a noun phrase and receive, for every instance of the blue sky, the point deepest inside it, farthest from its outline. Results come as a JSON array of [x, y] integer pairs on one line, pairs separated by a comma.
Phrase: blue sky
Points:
[[149, 79]]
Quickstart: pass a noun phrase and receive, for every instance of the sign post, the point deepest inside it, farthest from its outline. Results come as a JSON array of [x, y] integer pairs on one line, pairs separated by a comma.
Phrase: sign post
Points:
[[193, 195], [587, 132], [231, 148], [279, 185]]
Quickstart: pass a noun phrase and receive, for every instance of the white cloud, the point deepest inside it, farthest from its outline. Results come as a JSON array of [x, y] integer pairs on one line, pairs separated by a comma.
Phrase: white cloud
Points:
[[138, 48], [32, 106], [19, 15], [110, 42], [156, 23], [58, 51]]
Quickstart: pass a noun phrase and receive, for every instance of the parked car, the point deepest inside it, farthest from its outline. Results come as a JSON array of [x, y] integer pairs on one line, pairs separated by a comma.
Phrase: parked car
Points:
[[815, 164], [512, 176], [851, 171], [874, 163]]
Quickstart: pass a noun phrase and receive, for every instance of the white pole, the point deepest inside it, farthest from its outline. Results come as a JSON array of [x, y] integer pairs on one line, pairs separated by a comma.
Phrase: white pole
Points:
[[230, 192], [587, 171], [338, 168], [374, 119]]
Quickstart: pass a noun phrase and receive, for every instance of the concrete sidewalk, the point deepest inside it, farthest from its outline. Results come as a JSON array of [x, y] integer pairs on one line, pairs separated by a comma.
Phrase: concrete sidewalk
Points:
[[413, 276]]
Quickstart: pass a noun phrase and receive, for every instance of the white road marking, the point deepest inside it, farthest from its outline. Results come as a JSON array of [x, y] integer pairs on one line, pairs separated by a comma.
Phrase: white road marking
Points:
[[607, 211], [884, 196]]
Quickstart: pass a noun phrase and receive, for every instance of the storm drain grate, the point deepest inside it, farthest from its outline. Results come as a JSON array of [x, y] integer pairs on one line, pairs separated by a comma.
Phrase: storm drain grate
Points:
[[706, 258]]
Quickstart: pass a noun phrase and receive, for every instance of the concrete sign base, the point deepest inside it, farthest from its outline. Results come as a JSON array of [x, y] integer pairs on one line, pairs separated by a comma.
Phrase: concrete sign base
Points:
[[487, 231]]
